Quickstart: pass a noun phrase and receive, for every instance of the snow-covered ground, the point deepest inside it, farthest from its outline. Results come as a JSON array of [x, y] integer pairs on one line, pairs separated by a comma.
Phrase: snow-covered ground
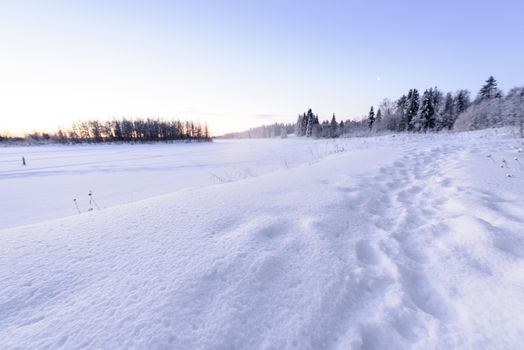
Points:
[[116, 174], [396, 243]]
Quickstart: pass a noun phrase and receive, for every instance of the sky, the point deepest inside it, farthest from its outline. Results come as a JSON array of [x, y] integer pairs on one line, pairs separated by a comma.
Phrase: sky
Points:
[[239, 64]]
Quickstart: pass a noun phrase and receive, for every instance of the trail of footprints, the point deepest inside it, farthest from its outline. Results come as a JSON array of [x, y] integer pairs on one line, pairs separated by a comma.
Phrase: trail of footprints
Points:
[[402, 202]]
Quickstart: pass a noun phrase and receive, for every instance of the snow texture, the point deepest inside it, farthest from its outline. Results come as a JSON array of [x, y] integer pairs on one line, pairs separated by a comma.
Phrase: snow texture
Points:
[[406, 242]]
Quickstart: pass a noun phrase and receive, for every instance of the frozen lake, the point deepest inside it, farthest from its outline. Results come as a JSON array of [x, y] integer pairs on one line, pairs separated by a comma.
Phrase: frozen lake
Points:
[[56, 175]]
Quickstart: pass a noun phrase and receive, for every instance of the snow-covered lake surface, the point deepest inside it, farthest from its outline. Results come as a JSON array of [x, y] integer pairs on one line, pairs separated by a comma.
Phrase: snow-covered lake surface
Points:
[[398, 242], [116, 174]]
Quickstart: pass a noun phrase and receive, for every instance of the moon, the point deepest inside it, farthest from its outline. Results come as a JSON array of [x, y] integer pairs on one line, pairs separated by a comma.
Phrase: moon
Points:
[[378, 78]]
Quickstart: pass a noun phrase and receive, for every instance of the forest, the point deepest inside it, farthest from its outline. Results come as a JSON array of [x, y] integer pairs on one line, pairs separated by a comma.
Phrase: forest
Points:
[[430, 111], [121, 130]]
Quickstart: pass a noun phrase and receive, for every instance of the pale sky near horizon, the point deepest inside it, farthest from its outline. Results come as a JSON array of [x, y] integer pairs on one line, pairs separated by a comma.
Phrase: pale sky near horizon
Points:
[[238, 64]]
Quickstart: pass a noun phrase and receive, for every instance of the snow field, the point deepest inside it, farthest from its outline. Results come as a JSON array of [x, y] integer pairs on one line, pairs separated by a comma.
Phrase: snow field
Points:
[[119, 174], [406, 242]]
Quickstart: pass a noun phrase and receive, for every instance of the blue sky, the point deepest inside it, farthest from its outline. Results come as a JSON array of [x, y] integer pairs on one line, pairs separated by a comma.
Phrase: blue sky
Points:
[[237, 64]]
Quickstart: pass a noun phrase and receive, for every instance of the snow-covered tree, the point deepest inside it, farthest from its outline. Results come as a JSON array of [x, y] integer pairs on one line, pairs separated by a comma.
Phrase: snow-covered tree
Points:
[[426, 116], [371, 118], [448, 114], [514, 109], [480, 115], [387, 107], [438, 105], [412, 108], [299, 126], [333, 126], [402, 111], [462, 101], [309, 124]]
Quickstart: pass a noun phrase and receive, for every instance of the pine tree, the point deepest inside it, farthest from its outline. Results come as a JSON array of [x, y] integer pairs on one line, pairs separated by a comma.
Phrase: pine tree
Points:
[[379, 116], [427, 111], [298, 126], [333, 126], [448, 112], [462, 101], [437, 99], [489, 91], [438, 105], [304, 122], [310, 122], [412, 108], [402, 112], [371, 118]]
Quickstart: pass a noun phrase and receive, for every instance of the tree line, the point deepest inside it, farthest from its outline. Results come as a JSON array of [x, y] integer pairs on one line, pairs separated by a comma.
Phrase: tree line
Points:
[[122, 130], [413, 112], [262, 132], [431, 111]]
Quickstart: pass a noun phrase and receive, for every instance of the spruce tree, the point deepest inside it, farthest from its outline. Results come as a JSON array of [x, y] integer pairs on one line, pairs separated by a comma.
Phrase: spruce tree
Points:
[[371, 118], [437, 99], [315, 127], [489, 91], [462, 101], [438, 105], [304, 122], [402, 112], [412, 108], [333, 127], [310, 121], [298, 126], [427, 111], [448, 112]]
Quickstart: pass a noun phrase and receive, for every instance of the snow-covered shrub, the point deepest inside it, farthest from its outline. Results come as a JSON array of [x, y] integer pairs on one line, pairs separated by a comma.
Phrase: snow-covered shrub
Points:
[[514, 109], [480, 116], [496, 112]]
